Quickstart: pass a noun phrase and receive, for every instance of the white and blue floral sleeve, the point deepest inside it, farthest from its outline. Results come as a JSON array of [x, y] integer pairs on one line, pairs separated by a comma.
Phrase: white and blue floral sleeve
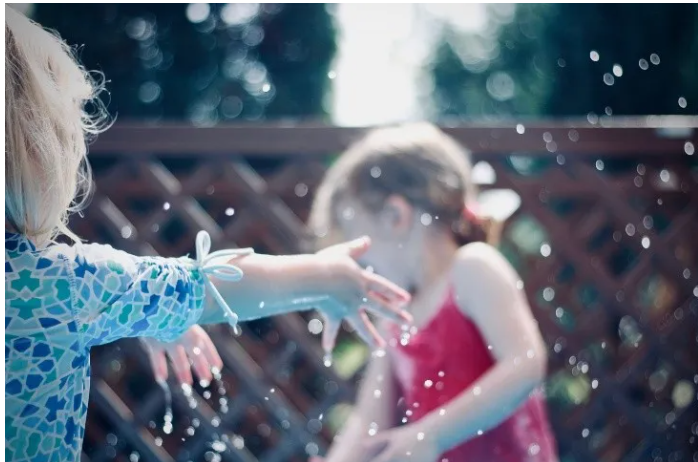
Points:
[[118, 295]]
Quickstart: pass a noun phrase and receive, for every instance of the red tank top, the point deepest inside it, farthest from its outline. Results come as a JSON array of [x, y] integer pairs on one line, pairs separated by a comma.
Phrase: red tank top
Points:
[[446, 357]]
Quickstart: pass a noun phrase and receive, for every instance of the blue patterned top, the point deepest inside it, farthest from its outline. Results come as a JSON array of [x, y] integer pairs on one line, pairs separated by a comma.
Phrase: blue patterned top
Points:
[[59, 302]]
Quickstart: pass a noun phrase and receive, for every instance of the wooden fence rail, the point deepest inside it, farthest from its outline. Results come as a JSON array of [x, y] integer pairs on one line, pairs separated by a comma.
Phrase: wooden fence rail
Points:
[[604, 239]]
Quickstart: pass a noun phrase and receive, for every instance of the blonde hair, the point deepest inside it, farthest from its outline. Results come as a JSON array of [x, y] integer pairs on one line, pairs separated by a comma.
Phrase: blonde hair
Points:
[[46, 124], [416, 161]]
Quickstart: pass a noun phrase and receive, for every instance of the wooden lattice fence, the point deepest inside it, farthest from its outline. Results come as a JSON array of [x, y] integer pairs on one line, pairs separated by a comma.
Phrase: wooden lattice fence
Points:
[[604, 239]]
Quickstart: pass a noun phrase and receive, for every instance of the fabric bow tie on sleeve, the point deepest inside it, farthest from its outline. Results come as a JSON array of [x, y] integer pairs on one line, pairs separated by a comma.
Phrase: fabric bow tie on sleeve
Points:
[[205, 261]]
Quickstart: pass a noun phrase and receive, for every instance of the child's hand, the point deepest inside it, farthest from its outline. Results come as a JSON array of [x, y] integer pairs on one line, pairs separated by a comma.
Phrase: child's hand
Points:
[[354, 290], [401, 444], [193, 350]]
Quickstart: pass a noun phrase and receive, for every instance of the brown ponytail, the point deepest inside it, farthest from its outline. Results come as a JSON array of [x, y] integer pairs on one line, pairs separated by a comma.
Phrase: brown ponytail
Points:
[[471, 228]]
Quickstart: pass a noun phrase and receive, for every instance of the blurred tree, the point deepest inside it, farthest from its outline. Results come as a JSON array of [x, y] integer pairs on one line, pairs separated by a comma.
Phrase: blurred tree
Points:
[[203, 62], [571, 59]]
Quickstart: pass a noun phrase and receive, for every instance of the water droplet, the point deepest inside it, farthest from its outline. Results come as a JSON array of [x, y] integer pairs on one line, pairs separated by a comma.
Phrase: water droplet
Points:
[[545, 250], [547, 137], [617, 70], [230, 211], [314, 426], [477, 391], [425, 219], [573, 360], [548, 294], [327, 360], [665, 176], [599, 165], [331, 75], [683, 103], [686, 273], [654, 58], [218, 446], [441, 373], [203, 383], [375, 172], [551, 147], [126, 232], [420, 436], [489, 347], [557, 348], [428, 383], [479, 432], [594, 384], [533, 449], [348, 213], [408, 412], [379, 353], [312, 449], [442, 411], [134, 457], [630, 229], [644, 65], [585, 433], [688, 148], [646, 242], [594, 56], [190, 431], [608, 79], [301, 190], [377, 393], [559, 312], [372, 429], [158, 441], [520, 129], [695, 291], [530, 354], [404, 420], [238, 442], [670, 418], [112, 439], [519, 284], [608, 111], [560, 159], [315, 326]]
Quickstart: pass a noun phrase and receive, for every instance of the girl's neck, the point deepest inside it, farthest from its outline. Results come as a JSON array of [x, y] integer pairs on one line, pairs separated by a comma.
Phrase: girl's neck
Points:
[[436, 261]]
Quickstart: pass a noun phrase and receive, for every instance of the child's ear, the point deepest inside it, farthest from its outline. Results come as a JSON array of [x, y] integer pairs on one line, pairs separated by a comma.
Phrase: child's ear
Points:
[[398, 213]]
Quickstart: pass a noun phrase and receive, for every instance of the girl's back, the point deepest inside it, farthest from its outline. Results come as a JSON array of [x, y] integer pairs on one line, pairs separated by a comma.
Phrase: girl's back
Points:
[[59, 302], [436, 363]]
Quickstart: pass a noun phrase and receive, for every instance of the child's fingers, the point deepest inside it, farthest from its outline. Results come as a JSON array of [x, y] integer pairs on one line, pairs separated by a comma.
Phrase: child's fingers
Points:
[[366, 330], [202, 368], [208, 349], [358, 247], [329, 333], [158, 362], [381, 308], [387, 289], [180, 364]]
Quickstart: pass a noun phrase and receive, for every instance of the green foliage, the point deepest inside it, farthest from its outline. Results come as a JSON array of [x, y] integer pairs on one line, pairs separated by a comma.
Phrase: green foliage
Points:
[[536, 60], [205, 63]]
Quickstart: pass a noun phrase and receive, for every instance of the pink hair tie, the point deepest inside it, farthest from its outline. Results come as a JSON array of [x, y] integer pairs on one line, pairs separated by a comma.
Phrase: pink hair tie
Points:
[[470, 215]]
